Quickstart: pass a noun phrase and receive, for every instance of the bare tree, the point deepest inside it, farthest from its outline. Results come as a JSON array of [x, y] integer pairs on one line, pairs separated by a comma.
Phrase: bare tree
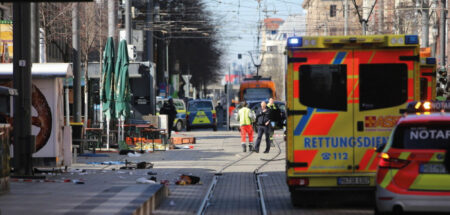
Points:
[[56, 22]]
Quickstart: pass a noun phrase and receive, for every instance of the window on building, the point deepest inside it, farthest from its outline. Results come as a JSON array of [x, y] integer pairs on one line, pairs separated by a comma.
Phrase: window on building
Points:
[[271, 48], [382, 85], [324, 86], [333, 10]]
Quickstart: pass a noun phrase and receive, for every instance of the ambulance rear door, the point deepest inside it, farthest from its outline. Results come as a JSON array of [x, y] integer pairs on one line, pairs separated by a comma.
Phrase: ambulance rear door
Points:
[[318, 112], [383, 84]]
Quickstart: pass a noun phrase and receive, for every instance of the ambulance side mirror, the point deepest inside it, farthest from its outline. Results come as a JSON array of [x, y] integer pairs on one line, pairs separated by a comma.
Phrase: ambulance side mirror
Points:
[[380, 148]]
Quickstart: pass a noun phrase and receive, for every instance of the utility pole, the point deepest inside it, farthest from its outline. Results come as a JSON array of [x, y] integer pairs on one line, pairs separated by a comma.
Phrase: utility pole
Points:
[[128, 31], [35, 33], [112, 20], [228, 97], [150, 31], [346, 17], [24, 141], [380, 16], [76, 62], [364, 27], [442, 35], [425, 24], [166, 72]]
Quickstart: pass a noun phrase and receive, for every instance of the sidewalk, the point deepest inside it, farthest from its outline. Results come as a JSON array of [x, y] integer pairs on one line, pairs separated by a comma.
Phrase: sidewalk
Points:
[[107, 189]]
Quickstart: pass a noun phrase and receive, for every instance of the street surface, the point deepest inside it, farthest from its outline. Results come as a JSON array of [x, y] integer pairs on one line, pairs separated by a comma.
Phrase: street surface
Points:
[[235, 192], [107, 189]]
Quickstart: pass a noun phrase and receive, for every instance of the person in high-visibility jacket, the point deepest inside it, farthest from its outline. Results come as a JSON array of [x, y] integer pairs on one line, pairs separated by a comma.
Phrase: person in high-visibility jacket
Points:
[[246, 117]]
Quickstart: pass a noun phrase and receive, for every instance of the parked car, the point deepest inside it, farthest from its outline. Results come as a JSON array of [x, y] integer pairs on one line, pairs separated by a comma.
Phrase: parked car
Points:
[[255, 105], [180, 120], [201, 113], [413, 172]]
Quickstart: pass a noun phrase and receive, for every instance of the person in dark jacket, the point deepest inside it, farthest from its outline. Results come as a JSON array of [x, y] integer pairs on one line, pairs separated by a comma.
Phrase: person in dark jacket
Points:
[[171, 112], [263, 124]]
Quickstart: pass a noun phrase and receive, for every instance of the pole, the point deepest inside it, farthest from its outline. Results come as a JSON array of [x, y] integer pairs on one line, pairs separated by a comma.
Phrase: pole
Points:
[[150, 32], [346, 18], [112, 20], [76, 62], [34, 9], [24, 144], [189, 81], [442, 35], [228, 98], [166, 73], [364, 27], [128, 21], [381, 16], [425, 24], [66, 94]]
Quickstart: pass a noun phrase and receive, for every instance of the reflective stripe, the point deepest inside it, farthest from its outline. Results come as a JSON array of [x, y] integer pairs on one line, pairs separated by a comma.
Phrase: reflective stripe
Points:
[[388, 178]]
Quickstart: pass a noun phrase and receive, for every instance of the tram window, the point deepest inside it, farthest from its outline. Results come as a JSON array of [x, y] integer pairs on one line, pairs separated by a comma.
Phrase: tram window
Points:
[[424, 89], [382, 85], [324, 86]]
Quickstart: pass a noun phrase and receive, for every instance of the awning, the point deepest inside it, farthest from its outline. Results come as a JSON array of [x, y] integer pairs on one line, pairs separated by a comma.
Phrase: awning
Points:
[[6, 91], [40, 70]]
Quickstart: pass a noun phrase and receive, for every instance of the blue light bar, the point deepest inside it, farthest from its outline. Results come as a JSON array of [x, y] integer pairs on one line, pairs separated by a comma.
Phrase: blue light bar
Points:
[[294, 41], [430, 60], [411, 39]]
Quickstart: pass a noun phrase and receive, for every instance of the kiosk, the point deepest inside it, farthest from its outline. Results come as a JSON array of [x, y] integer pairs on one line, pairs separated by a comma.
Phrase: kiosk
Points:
[[53, 137]]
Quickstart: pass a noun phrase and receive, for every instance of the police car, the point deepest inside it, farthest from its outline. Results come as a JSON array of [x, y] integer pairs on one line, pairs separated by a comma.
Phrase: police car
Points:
[[201, 113], [413, 171]]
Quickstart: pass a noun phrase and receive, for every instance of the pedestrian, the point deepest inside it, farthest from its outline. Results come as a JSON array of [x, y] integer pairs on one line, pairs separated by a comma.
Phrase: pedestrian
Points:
[[219, 113], [246, 117], [274, 117], [171, 112], [263, 123]]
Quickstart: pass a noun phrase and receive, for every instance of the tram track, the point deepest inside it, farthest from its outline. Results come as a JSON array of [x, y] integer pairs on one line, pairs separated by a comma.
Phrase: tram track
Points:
[[257, 177]]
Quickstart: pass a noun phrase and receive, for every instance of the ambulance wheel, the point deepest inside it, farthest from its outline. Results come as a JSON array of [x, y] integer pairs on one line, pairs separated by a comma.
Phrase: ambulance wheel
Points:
[[215, 128], [179, 126]]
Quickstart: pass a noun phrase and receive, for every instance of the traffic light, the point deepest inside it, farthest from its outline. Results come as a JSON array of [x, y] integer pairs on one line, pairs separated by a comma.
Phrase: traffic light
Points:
[[442, 88], [442, 78]]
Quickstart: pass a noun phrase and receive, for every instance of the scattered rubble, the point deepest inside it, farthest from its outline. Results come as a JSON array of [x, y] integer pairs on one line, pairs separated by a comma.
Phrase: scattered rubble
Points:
[[188, 179]]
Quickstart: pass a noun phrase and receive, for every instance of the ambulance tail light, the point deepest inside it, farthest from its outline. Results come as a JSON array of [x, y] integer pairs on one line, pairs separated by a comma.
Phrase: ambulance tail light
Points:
[[214, 115], [391, 163], [298, 182], [411, 39]]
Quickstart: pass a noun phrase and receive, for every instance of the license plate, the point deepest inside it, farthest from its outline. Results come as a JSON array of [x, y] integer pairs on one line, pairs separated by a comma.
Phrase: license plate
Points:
[[432, 168], [353, 181]]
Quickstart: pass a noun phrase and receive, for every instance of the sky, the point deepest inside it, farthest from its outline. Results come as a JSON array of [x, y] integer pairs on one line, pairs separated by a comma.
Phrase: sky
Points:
[[237, 21]]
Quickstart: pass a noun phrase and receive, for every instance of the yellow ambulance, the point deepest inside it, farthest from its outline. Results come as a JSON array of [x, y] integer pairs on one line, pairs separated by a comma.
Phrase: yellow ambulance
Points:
[[344, 96]]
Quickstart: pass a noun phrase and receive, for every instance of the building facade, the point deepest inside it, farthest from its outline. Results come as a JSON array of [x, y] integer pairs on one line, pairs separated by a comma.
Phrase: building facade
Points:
[[274, 35], [326, 17]]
